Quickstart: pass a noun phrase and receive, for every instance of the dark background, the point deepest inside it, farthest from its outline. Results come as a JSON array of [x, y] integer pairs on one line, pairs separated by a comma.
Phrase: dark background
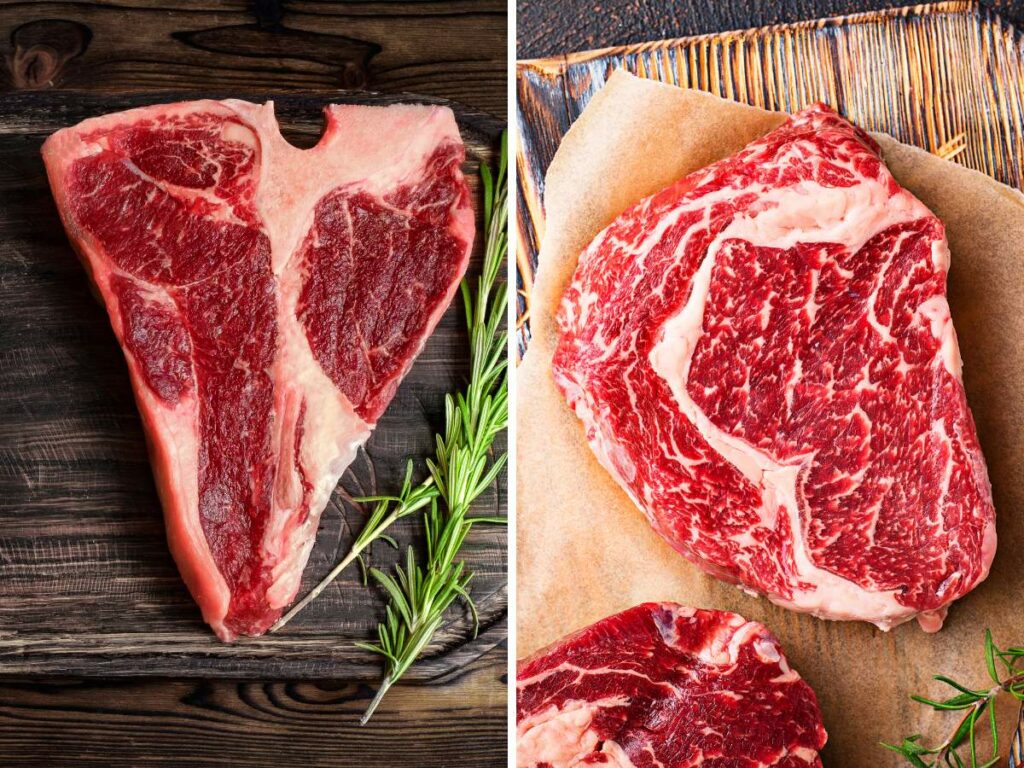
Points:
[[546, 28], [452, 49]]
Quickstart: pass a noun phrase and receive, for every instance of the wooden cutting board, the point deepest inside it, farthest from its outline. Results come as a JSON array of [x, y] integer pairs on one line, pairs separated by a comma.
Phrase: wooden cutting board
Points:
[[87, 585]]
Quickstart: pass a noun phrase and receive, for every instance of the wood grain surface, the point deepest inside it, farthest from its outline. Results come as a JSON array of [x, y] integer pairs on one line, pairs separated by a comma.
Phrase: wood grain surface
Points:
[[103, 55], [457, 721], [453, 49]]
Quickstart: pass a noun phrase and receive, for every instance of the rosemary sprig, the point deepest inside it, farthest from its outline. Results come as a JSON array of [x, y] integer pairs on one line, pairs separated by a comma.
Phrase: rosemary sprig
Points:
[[410, 499], [420, 595], [1006, 670]]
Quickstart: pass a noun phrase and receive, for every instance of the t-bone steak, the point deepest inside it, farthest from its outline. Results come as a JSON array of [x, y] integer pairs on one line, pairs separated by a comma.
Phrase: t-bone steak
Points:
[[763, 357], [663, 686], [268, 300]]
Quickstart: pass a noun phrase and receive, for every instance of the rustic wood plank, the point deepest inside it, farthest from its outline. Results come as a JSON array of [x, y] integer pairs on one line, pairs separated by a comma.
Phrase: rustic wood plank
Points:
[[87, 586], [457, 721], [453, 49]]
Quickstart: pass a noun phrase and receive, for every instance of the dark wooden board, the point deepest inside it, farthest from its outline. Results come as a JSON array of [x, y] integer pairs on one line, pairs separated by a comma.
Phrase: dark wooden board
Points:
[[456, 722], [455, 49], [87, 586]]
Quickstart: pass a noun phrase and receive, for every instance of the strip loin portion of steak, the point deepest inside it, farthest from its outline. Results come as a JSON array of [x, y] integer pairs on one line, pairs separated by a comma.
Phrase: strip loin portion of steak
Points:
[[268, 301], [763, 357], [664, 686]]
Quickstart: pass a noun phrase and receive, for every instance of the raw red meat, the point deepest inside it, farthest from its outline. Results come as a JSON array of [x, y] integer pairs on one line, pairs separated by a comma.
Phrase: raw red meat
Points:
[[762, 355], [269, 301], [663, 686]]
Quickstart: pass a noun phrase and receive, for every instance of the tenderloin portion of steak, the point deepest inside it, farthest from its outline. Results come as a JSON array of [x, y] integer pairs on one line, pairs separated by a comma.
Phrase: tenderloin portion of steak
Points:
[[762, 355], [269, 301], [663, 686]]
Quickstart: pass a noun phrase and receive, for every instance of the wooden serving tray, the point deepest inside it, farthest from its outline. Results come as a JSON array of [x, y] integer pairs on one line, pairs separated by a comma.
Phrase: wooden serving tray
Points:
[[947, 77], [87, 585]]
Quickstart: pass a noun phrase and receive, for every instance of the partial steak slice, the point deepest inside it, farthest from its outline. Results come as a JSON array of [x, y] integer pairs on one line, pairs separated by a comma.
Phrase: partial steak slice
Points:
[[663, 686], [763, 357], [268, 300]]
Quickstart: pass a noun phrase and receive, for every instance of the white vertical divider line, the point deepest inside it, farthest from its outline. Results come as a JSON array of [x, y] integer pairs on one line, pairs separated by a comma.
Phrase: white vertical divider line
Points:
[[512, 142]]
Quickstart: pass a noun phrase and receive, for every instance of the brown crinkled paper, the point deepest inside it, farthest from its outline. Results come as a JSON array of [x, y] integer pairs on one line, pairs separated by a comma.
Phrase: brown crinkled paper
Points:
[[585, 551]]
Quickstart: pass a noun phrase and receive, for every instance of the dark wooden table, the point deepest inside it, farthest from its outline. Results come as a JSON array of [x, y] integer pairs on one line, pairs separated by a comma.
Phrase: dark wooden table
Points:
[[454, 50], [545, 28]]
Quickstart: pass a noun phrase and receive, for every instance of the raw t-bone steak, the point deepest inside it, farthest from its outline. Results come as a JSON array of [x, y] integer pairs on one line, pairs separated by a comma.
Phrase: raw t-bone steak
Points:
[[663, 686], [763, 357], [268, 300]]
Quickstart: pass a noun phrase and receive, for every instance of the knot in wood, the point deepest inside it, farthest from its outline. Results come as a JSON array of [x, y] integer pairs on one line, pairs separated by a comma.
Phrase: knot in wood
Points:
[[42, 48]]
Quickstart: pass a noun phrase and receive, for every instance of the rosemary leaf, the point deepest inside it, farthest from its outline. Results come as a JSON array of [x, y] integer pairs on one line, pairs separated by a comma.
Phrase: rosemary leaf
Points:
[[961, 748], [990, 657]]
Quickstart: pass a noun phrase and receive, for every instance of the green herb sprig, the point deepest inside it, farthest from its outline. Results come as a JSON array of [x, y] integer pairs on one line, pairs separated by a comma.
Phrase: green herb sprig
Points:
[[1006, 670], [386, 510], [460, 470]]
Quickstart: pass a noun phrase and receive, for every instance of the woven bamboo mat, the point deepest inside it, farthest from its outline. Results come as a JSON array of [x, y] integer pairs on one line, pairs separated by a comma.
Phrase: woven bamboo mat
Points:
[[947, 77]]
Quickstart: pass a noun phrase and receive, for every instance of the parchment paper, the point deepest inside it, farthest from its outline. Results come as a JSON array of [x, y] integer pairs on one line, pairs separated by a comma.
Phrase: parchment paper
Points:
[[585, 551]]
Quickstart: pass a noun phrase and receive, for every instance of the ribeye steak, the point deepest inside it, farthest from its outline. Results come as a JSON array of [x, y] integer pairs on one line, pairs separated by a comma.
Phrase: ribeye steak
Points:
[[663, 686], [762, 355], [268, 300]]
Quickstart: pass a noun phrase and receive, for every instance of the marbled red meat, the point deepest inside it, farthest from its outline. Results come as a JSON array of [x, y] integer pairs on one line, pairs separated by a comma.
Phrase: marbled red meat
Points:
[[763, 357], [663, 686], [268, 301]]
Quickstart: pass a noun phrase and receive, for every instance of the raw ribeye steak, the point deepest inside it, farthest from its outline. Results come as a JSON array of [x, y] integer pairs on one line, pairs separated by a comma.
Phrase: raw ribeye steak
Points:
[[268, 300], [663, 686], [763, 357]]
